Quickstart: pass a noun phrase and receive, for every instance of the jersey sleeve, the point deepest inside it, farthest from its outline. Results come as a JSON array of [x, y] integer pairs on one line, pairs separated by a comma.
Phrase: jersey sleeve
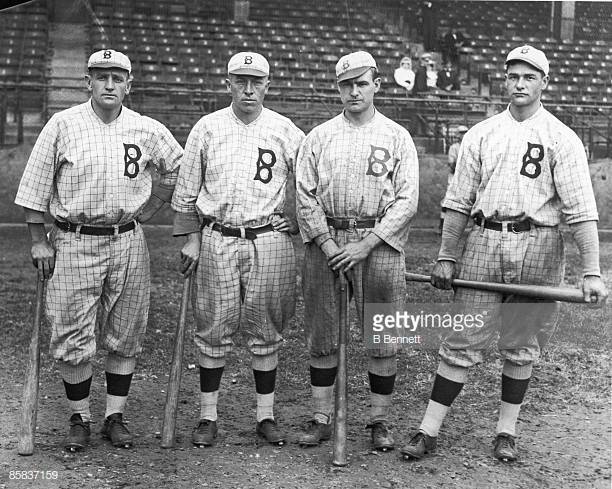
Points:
[[461, 193], [189, 183], [167, 156], [573, 180], [37, 182], [295, 137], [393, 226], [310, 214]]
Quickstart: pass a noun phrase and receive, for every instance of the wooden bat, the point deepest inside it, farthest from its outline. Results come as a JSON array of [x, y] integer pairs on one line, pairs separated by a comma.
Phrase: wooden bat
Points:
[[174, 382], [29, 405], [549, 292], [339, 452]]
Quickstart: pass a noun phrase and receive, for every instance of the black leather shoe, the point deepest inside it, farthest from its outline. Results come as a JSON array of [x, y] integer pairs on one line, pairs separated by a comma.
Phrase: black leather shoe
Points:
[[315, 433], [419, 445], [78, 436], [268, 429], [505, 448], [204, 434], [382, 439], [116, 431]]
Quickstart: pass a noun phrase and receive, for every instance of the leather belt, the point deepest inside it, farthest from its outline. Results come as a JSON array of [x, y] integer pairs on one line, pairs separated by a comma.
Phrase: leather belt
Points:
[[246, 233], [350, 223], [514, 227], [95, 230]]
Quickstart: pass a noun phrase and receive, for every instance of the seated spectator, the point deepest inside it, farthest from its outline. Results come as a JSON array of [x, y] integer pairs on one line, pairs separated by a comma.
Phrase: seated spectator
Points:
[[420, 77], [432, 75], [448, 78], [404, 76]]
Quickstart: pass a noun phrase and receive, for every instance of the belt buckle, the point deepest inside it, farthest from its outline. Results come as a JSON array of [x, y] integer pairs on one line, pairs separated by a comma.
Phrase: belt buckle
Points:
[[513, 228], [352, 224]]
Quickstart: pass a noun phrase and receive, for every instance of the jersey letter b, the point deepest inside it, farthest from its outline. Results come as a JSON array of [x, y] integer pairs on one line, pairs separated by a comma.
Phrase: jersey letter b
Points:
[[131, 156], [531, 160], [265, 162], [376, 161]]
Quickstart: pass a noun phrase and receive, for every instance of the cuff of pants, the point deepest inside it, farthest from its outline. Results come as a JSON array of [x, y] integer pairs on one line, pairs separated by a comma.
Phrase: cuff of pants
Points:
[[119, 365], [324, 361], [460, 357], [75, 374], [211, 362], [265, 363], [384, 367]]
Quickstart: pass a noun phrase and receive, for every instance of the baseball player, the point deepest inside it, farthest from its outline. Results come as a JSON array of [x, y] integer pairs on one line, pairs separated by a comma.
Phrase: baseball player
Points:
[[357, 190], [230, 203], [91, 168], [518, 172], [453, 153]]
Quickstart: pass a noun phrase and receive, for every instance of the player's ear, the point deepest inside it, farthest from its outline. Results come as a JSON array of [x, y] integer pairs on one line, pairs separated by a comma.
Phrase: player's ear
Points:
[[228, 84], [128, 84], [545, 81], [88, 81], [267, 85]]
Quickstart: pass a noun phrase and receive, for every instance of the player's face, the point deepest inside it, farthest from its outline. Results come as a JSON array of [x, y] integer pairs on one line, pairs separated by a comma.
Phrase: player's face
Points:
[[108, 87], [357, 94], [524, 84], [248, 92]]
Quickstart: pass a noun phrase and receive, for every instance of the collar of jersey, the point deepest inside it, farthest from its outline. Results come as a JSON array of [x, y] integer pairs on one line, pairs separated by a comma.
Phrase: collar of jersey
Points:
[[96, 117], [237, 119], [535, 115], [350, 124]]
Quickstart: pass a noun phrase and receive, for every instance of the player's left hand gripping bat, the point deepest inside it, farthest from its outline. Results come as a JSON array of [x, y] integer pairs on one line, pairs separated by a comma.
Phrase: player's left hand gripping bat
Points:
[[341, 408], [29, 406], [174, 381]]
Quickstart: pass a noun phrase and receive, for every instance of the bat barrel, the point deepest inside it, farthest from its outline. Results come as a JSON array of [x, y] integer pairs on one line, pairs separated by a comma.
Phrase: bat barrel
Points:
[[174, 380], [339, 451]]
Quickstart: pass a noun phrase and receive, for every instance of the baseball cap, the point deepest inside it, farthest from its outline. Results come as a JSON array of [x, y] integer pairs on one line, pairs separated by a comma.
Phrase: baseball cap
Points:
[[109, 58], [247, 63], [354, 64], [462, 129], [531, 55]]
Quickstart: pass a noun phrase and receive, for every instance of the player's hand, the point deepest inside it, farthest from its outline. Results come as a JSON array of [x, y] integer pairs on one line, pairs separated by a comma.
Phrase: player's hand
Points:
[[442, 274], [330, 249], [43, 257], [594, 290], [350, 255], [190, 254], [282, 224]]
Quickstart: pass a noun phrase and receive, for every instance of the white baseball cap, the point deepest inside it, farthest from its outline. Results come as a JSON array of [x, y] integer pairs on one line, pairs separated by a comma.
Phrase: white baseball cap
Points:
[[531, 55], [462, 129], [109, 58], [247, 63], [353, 65]]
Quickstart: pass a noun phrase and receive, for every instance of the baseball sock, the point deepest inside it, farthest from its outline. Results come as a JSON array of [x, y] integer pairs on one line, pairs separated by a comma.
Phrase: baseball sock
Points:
[[447, 386], [264, 372], [119, 371], [210, 380], [77, 383], [515, 380], [381, 373], [322, 377]]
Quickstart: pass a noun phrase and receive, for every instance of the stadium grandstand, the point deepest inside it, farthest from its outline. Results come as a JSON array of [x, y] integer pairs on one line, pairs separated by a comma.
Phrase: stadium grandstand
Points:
[[179, 50]]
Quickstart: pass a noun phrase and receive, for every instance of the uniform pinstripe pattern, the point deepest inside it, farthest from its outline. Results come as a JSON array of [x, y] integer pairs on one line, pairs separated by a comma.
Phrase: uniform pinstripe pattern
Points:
[[76, 169], [98, 279], [535, 257], [379, 279], [490, 178], [219, 170], [239, 278], [349, 171]]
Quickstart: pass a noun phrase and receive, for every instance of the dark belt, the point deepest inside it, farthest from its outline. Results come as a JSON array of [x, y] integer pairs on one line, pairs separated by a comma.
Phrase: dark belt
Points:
[[247, 233], [95, 230], [350, 223], [514, 227]]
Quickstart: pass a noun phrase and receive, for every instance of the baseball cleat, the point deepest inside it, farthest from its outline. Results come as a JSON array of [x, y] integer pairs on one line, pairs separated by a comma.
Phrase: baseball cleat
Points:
[[268, 429], [204, 434], [505, 448], [419, 445], [382, 439], [315, 433], [78, 436], [116, 431]]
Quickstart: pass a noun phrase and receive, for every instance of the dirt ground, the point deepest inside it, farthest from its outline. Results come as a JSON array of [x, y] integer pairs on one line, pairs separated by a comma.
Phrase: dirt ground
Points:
[[564, 427]]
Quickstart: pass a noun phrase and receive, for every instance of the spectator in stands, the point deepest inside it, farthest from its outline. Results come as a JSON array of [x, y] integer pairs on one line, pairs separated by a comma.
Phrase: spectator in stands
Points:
[[453, 156], [448, 78], [429, 21], [404, 76], [432, 75], [420, 77], [450, 44]]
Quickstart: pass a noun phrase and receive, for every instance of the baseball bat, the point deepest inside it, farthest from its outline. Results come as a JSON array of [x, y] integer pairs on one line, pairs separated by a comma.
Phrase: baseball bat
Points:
[[174, 381], [29, 406], [549, 292], [340, 415]]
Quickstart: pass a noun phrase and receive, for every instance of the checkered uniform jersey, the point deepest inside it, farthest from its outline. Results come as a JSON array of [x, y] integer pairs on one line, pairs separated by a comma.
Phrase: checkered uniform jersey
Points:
[[535, 169], [87, 172], [360, 172], [508, 171], [91, 173], [236, 174]]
